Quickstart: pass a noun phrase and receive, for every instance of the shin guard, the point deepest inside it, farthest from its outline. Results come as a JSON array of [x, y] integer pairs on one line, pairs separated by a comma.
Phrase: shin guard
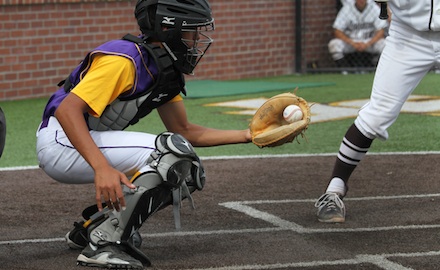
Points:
[[175, 171]]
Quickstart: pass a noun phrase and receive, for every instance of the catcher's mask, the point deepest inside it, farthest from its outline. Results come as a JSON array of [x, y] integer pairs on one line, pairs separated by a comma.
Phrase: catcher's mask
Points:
[[181, 26]]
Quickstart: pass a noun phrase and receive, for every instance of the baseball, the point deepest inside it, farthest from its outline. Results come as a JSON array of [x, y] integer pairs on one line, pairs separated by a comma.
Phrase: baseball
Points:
[[292, 113]]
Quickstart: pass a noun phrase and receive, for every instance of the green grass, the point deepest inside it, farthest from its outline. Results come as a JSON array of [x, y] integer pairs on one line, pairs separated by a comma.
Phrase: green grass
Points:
[[411, 132]]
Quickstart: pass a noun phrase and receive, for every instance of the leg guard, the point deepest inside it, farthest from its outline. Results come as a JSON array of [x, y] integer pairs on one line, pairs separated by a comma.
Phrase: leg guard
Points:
[[176, 173], [111, 227], [179, 166]]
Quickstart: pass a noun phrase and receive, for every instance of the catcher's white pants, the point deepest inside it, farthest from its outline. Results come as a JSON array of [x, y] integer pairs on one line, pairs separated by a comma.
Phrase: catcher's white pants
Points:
[[126, 151], [407, 57], [338, 48]]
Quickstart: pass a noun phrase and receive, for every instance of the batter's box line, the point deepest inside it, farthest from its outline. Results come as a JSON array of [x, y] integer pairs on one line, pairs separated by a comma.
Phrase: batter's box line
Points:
[[382, 261], [278, 223], [244, 207]]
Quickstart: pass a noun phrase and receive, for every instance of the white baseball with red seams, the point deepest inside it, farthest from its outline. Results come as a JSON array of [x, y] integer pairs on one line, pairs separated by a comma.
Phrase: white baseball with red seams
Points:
[[292, 113]]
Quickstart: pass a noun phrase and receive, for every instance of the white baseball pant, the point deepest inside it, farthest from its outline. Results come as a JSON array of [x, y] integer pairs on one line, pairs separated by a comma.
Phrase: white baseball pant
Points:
[[407, 57], [126, 151]]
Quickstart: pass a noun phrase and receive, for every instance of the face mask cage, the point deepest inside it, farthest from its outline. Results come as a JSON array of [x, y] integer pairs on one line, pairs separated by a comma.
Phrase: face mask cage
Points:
[[197, 42]]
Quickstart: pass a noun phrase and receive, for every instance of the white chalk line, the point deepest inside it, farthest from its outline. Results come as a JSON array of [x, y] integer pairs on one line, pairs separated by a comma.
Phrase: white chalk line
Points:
[[278, 223], [380, 260], [33, 167], [243, 206], [370, 198]]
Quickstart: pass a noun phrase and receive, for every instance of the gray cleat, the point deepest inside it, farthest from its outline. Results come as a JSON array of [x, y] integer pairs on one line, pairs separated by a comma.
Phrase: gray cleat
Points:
[[331, 208], [110, 256]]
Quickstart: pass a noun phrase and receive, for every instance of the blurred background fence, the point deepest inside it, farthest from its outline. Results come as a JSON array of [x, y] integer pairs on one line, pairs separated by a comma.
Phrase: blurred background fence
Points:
[[359, 31]]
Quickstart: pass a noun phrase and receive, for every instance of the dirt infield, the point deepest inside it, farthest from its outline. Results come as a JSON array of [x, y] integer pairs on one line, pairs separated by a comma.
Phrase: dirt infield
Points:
[[254, 213]]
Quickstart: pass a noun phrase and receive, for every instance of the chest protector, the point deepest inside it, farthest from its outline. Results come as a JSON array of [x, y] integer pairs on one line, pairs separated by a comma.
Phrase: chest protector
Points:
[[127, 110]]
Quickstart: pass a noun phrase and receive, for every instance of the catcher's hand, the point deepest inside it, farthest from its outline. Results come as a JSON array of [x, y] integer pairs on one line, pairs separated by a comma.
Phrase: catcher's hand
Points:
[[268, 127]]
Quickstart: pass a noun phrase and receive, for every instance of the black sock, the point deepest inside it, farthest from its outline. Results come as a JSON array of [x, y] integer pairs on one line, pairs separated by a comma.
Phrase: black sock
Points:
[[353, 148]]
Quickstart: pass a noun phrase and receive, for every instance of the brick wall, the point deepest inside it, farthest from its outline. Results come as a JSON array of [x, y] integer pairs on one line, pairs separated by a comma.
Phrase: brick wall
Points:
[[42, 40], [317, 31]]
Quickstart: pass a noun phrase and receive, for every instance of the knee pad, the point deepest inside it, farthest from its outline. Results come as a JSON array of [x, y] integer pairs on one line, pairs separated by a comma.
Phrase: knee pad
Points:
[[176, 162], [180, 168]]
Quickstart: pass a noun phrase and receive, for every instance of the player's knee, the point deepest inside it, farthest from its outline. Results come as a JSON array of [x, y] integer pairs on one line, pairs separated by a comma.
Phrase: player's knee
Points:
[[335, 46], [371, 130], [176, 162]]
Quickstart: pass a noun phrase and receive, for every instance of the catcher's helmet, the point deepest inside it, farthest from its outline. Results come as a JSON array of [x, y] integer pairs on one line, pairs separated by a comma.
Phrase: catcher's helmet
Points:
[[180, 25]]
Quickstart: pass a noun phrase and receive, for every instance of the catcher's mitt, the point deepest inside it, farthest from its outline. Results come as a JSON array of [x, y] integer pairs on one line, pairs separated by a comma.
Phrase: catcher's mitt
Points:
[[268, 127]]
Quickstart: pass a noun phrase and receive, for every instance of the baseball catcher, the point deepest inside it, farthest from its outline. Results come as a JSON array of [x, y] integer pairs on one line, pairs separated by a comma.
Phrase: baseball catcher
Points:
[[268, 126], [82, 138]]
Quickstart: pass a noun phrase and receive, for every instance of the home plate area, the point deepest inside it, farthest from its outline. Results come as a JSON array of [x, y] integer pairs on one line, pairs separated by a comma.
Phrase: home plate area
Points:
[[254, 213]]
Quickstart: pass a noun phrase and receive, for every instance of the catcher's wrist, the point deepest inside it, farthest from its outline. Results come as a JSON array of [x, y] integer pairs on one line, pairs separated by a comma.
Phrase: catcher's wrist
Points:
[[248, 136]]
